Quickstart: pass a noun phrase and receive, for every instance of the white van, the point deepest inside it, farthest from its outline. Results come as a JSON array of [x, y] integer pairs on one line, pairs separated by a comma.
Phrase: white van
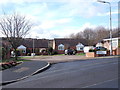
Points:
[[87, 48]]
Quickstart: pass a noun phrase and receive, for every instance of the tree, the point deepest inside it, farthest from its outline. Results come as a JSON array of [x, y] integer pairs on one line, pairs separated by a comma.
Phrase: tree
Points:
[[89, 35], [50, 50], [93, 36], [101, 33], [14, 27]]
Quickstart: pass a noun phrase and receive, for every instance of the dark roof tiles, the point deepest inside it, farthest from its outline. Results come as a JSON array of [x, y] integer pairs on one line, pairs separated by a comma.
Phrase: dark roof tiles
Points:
[[70, 41], [38, 43]]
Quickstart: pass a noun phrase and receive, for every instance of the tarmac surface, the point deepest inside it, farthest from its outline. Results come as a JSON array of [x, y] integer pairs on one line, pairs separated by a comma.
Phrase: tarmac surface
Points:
[[92, 73], [22, 71], [29, 68]]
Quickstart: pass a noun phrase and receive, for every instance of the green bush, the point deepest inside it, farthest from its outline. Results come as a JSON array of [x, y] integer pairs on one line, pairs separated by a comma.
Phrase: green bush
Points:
[[54, 52], [28, 54], [91, 50], [50, 50]]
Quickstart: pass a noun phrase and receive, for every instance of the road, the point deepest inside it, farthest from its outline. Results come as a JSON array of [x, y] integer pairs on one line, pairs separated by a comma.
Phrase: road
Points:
[[94, 73]]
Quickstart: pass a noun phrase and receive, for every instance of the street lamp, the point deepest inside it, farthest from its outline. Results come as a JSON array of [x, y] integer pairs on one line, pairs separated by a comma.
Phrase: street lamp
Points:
[[34, 46], [110, 25]]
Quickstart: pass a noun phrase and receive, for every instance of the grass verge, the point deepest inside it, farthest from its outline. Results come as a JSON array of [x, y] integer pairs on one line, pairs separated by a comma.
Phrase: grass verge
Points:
[[80, 54], [12, 59]]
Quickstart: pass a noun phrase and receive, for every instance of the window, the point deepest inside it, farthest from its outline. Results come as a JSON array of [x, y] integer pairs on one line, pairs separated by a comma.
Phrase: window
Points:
[[23, 51], [61, 47], [114, 44]]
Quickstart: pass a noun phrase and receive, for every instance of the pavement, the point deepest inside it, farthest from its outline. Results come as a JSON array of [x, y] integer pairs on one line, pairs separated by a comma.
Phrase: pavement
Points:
[[23, 71], [65, 58]]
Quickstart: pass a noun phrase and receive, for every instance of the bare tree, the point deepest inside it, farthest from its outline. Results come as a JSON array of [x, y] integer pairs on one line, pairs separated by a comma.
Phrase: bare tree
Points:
[[93, 36], [101, 33], [72, 35], [89, 35], [76, 36], [14, 27]]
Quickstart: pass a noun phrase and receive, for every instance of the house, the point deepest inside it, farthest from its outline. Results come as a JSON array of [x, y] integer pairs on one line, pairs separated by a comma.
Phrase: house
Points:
[[115, 43], [41, 45], [60, 44], [27, 45], [22, 50]]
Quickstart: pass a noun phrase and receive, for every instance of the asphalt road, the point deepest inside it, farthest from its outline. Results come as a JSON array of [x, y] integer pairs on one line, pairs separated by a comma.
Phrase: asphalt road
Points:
[[94, 73], [22, 70]]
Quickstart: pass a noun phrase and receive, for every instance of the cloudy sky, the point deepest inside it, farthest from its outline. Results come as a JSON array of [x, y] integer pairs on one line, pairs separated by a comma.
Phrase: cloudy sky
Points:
[[60, 18]]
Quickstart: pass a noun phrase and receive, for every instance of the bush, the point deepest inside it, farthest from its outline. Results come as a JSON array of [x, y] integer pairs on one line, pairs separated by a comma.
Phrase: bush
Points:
[[50, 50], [91, 50], [28, 54], [54, 52]]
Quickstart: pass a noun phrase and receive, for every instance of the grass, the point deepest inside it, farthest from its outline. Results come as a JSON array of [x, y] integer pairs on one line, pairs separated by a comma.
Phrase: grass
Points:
[[80, 54], [12, 59], [26, 58], [6, 60], [58, 55]]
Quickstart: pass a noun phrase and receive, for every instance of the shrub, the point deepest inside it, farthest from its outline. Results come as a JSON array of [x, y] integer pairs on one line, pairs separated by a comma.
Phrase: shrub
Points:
[[50, 50], [28, 54], [54, 52], [91, 50]]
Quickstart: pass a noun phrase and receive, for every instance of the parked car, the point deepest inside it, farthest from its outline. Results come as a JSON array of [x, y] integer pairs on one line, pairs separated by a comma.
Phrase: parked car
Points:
[[66, 52], [70, 52], [100, 48], [87, 48]]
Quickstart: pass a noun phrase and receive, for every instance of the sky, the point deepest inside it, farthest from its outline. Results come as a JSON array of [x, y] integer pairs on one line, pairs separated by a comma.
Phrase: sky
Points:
[[60, 18]]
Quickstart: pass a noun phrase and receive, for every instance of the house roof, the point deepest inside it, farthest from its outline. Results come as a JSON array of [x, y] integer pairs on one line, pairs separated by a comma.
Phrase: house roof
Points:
[[28, 42], [21, 47], [69, 41], [38, 43], [110, 39]]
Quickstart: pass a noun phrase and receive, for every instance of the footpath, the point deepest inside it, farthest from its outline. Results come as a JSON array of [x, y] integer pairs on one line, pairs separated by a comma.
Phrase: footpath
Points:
[[66, 58], [22, 71]]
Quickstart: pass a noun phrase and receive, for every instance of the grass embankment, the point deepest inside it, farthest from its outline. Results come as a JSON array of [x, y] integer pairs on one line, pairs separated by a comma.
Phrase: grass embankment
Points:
[[12, 59]]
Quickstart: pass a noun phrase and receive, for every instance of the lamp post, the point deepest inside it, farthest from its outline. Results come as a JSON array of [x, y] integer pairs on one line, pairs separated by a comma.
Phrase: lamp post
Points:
[[33, 46], [110, 25]]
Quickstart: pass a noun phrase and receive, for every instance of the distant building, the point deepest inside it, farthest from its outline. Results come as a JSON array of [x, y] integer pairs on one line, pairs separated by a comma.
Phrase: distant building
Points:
[[107, 44], [115, 45], [60, 44], [27, 46], [41, 45]]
